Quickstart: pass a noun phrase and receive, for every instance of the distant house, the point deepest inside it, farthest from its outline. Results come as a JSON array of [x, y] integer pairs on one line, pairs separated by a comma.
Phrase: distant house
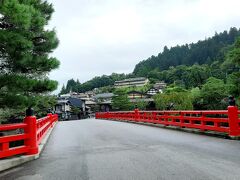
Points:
[[104, 101], [62, 108], [137, 95], [65, 105], [160, 85], [65, 96], [87, 97], [90, 93], [81, 95], [153, 91], [141, 81], [90, 106], [76, 102], [103, 97], [157, 88], [80, 105]]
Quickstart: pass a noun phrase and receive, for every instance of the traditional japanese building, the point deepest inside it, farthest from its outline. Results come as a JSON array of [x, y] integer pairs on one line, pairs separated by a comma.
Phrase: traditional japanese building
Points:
[[141, 81]]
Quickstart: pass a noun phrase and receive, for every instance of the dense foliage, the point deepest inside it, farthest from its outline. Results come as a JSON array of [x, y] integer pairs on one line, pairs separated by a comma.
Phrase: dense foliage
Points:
[[189, 65], [202, 52], [96, 82], [199, 76], [121, 101], [25, 45], [213, 93], [174, 100]]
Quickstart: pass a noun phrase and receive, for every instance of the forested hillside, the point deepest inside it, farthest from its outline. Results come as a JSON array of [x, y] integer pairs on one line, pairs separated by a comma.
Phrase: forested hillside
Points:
[[188, 65], [96, 82], [203, 52]]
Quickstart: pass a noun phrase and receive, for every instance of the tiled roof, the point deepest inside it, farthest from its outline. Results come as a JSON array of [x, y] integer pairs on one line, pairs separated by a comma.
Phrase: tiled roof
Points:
[[75, 102], [104, 95], [132, 79]]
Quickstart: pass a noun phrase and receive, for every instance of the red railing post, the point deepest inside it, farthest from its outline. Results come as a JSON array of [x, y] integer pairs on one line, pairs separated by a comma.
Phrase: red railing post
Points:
[[154, 117], [203, 122], [136, 114], [31, 130], [50, 116], [4, 146], [181, 119], [107, 115], [233, 121]]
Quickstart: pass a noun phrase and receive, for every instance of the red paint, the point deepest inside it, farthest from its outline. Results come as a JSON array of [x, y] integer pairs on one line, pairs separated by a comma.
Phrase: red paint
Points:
[[234, 129], [226, 121], [31, 130], [34, 131]]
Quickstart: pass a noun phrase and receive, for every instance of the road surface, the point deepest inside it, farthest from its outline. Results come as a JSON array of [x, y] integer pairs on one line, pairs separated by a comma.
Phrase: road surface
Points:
[[108, 150]]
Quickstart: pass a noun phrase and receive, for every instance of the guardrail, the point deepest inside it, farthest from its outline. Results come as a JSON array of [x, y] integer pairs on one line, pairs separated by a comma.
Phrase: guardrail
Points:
[[32, 131], [227, 121]]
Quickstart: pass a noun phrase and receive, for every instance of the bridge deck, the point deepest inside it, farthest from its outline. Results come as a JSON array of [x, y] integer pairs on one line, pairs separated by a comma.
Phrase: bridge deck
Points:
[[107, 150]]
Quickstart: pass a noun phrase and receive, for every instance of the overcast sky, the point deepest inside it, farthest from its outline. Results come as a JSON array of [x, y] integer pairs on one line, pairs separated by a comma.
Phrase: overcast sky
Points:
[[104, 36]]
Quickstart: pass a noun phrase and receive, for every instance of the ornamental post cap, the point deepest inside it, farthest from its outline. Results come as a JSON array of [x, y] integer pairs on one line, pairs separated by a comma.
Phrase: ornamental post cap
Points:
[[231, 101], [29, 111]]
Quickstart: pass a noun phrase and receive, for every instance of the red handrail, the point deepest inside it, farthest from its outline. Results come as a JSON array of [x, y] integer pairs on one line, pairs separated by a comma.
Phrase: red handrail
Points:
[[33, 131], [227, 121]]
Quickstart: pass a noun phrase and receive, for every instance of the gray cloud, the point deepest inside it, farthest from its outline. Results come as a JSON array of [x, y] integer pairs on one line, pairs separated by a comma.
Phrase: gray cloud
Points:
[[104, 36]]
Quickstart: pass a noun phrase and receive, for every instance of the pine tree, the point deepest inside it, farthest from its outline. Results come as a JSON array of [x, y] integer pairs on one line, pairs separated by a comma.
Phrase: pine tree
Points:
[[25, 44], [234, 54], [63, 90], [120, 101]]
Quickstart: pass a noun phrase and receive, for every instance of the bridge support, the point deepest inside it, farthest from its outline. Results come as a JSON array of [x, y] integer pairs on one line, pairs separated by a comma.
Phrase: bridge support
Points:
[[136, 114], [234, 130], [31, 130], [51, 119]]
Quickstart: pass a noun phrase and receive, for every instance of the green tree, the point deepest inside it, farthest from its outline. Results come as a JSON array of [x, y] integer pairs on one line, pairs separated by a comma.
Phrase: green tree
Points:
[[43, 104], [25, 44], [196, 98], [71, 86], [140, 104], [121, 101], [213, 93], [233, 84], [172, 88], [75, 110], [179, 100], [233, 79], [63, 90], [202, 52]]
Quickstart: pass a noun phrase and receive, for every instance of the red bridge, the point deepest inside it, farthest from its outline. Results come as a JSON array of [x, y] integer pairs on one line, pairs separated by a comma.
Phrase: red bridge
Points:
[[108, 150], [227, 121], [33, 132]]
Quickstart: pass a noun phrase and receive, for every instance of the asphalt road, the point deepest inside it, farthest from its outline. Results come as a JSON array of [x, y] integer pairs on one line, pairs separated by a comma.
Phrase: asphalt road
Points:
[[107, 150]]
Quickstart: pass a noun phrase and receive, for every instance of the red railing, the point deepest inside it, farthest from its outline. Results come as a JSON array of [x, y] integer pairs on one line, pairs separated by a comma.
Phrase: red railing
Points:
[[227, 121], [31, 132], [44, 124]]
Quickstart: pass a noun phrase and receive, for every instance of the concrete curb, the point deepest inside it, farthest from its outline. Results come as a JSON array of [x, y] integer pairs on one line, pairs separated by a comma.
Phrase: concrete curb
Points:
[[18, 160], [188, 130]]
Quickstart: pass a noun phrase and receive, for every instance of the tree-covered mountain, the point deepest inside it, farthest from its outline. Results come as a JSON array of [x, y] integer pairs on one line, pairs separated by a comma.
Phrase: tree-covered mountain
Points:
[[203, 52], [96, 82], [188, 65]]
